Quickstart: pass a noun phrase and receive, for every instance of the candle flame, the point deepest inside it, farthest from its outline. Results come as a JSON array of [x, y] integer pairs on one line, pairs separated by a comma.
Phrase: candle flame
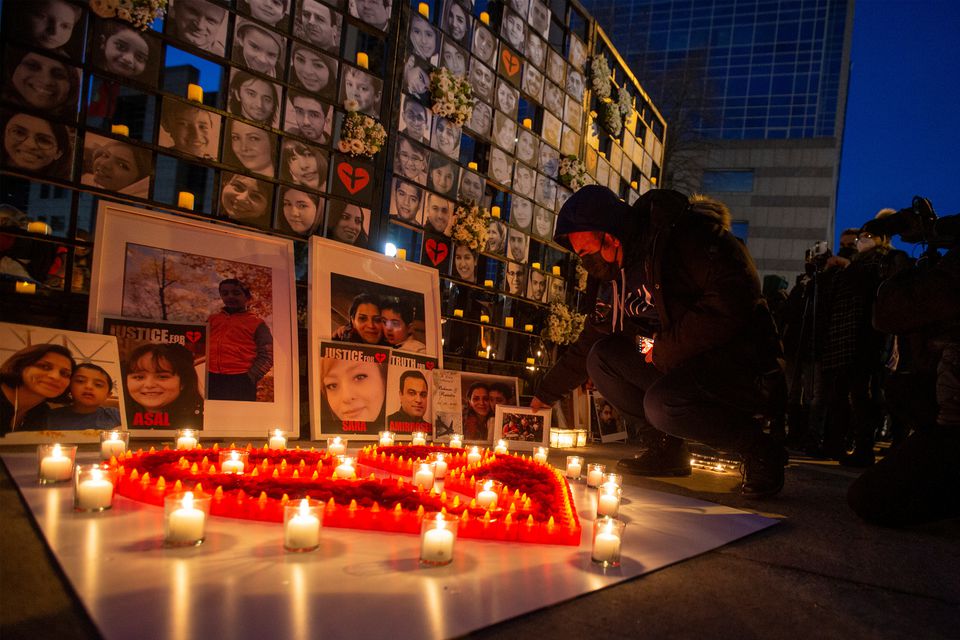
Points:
[[187, 500], [278, 433], [304, 507], [234, 455], [96, 474], [114, 435], [488, 485], [56, 453]]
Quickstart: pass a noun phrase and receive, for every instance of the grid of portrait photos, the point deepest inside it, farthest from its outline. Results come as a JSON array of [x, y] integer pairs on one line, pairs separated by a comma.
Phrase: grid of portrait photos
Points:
[[107, 105]]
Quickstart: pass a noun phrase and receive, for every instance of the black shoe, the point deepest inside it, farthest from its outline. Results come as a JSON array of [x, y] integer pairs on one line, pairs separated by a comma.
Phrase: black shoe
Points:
[[669, 457], [763, 468]]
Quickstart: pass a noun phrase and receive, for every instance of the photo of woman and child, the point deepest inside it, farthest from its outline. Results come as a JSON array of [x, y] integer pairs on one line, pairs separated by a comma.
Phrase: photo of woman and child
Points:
[[387, 320]]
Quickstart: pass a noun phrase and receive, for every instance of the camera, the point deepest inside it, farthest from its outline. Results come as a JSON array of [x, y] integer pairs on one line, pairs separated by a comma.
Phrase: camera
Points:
[[918, 224], [816, 257]]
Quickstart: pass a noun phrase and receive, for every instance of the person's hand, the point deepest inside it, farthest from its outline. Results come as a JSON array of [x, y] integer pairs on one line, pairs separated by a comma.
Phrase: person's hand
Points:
[[837, 261], [538, 405], [341, 333]]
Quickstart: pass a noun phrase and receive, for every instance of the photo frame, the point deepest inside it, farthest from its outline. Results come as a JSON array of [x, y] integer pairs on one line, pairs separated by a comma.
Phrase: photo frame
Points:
[[484, 45], [407, 202], [258, 48], [409, 393], [313, 71], [199, 23], [423, 40], [374, 14], [254, 98], [462, 403], [116, 166], [521, 427], [338, 274], [318, 24], [246, 200], [131, 239], [58, 414], [605, 420]]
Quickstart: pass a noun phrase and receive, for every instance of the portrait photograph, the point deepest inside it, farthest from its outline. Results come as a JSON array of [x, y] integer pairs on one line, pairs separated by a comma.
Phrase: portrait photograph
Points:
[[501, 167], [37, 145], [533, 83], [304, 164], [605, 420], [496, 237], [577, 53], [375, 13], [423, 40], [189, 129], [519, 6], [464, 263], [300, 211], [482, 80], [508, 99], [481, 120], [518, 245], [471, 187], [409, 390], [543, 220], [513, 30], [524, 180], [44, 83], [553, 98], [454, 58], [456, 22], [575, 84], [351, 382], [254, 98], [551, 129], [58, 385], [563, 194], [258, 48], [504, 131], [411, 161], [515, 279], [361, 90], [116, 166], [481, 395], [198, 23], [570, 141], [446, 137], [536, 49], [573, 113], [246, 200], [438, 214], [308, 117], [539, 18], [318, 24], [443, 175], [248, 147], [348, 223], [549, 160], [206, 272], [313, 71], [537, 286], [528, 146], [521, 213], [556, 289], [545, 197], [125, 51], [416, 78], [275, 13], [556, 67], [407, 202], [524, 428], [29, 22], [484, 45]]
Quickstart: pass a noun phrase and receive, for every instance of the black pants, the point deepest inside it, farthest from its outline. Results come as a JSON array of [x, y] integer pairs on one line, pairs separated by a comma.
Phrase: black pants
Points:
[[226, 386], [711, 399]]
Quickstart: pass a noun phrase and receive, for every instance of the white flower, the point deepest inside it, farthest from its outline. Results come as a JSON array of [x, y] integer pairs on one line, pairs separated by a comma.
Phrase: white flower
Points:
[[351, 105]]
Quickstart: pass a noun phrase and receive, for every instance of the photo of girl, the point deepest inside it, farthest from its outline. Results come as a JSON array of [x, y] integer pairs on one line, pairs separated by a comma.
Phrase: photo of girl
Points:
[[246, 200], [257, 48], [496, 237], [162, 389], [250, 148], [314, 72], [361, 89], [304, 164], [484, 46], [29, 379], [471, 187], [273, 12], [453, 58], [456, 22], [254, 98], [446, 137], [424, 40], [464, 263], [116, 166], [442, 176], [126, 52], [48, 24], [481, 119], [302, 211], [504, 131], [34, 144], [41, 82], [513, 30], [348, 223], [352, 391], [416, 79], [90, 388]]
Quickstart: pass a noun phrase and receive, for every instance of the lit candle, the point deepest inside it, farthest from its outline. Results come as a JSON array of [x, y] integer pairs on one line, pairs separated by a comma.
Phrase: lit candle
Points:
[[456, 441], [528, 327], [501, 447], [608, 500], [472, 165], [56, 467], [25, 287], [613, 478], [474, 455], [531, 361], [401, 254], [556, 270], [458, 313], [419, 439], [277, 440], [336, 446], [606, 543], [439, 466], [120, 130], [301, 532], [484, 17], [185, 524], [424, 9], [527, 122], [484, 318], [535, 265], [488, 283], [508, 322], [436, 542], [195, 92], [495, 211], [363, 60], [233, 464], [386, 438], [423, 477], [346, 469], [653, 180], [112, 445], [595, 474], [633, 185], [574, 465], [540, 455], [186, 439], [487, 497], [185, 200], [39, 227], [94, 493]]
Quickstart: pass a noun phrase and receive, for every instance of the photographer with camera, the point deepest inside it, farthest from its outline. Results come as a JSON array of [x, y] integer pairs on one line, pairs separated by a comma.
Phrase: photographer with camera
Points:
[[919, 481]]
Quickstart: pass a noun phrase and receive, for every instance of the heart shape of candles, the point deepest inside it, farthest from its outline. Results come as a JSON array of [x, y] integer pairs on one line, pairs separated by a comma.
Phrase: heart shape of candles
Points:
[[535, 504]]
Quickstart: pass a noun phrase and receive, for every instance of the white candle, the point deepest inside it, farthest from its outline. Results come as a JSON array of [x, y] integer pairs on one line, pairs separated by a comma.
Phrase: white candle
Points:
[[456, 441], [594, 476], [277, 440], [233, 465], [540, 455], [573, 469], [56, 467], [501, 447], [439, 467], [302, 531], [386, 439], [336, 447], [436, 546], [346, 470], [608, 504], [423, 477], [95, 493], [487, 498], [186, 443], [113, 446], [606, 547], [419, 439], [185, 524], [474, 455]]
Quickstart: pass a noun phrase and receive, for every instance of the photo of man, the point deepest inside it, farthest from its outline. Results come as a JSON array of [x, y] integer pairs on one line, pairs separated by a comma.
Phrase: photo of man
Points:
[[272, 12], [524, 180], [411, 161], [555, 67], [573, 113], [575, 84], [189, 129], [521, 213], [551, 129], [308, 117], [414, 401], [504, 131], [484, 45], [406, 202], [537, 289], [536, 49], [533, 83], [527, 146], [539, 18], [375, 13], [555, 290], [257, 48], [481, 79], [439, 215], [513, 30], [553, 98], [319, 25], [514, 279], [508, 98], [518, 244], [549, 161], [199, 23]]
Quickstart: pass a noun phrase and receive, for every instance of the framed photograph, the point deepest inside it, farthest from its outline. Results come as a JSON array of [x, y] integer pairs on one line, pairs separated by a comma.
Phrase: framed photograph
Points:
[[423, 40], [453, 57], [258, 48], [573, 113], [274, 13], [577, 53], [446, 137], [556, 290], [539, 18], [553, 98], [248, 147], [199, 23], [563, 194], [50, 150], [521, 213], [508, 99], [376, 14], [409, 392], [481, 119], [519, 6], [319, 24], [522, 427], [304, 164], [189, 129], [406, 202], [299, 211], [484, 45], [438, 215], [549, 160], [153, 266], [442, 176], [504, 131], [496, 237], [369, 299], [456, 22], [606, 420], [351, 389], [362, 89], [411, 161], [254, 98], [551, 129], [569, 141], [543, 222], [513, 30], [306, 116], [537, 286], [536, 49], [515, 279], [518, 246], [314, 72], [533, 83], [55, 26], [464, 263], [41, 82], [482, 80], [416, 78], [116, 166], [527, 146], [556, 67], [501, 167], [481, 395], [524, 180], [546, 193], [471, 187], [60, 386], [348, 223]]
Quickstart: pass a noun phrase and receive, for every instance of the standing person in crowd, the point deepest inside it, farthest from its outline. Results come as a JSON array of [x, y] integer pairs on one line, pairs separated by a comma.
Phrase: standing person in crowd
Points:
[[90, 386], [716, 360], [29, 379], [241, 346]]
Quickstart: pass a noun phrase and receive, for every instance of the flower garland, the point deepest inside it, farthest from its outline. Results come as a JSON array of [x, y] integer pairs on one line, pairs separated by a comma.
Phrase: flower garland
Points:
[[470, 229], [139, 13], [361, 135], [624, 101], [563, 325], [600, 77], [452, 96], [573, 173], [610, 117]]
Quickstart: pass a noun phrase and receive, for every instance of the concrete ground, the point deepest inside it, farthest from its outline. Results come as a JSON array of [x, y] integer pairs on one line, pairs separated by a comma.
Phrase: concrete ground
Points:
[[820, 573]]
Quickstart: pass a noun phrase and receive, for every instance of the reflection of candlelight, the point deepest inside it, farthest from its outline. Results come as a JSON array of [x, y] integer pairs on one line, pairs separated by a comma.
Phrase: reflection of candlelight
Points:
[[26, 287], [363, 60], [195, 92], [528, 327], [185, 200], [120, 129], [424, 10]]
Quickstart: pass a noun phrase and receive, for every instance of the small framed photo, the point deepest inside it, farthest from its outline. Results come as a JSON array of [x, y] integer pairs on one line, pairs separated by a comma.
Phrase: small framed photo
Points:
[[271, 12], [258, 48], [442, 176], [575, 84], [543, 222], [577, 53], [521, 213], [446, 137], [438, 215], [304, 164], [573, 113], [556, 67], [536, 49], [549, 160], [546, 196], [411, 161], [308, 117], [519, 6], [122, 50], [537, 286], [248, 147], [199, 23], [524, 181], [456, 22], [453, 57], [556, 290], [300, 211], [528, 146], [318, 24], [504, 131], [482, 80], [484, 45], [508, 99], [501, 167], [524, 428], [553, 98], [254, 98], [55, 26], [416, 78], [348, 223], [481, 120], [361, 89], [189, 129], [464, 263], [496, 237], [518, 246], [513, 30], [116, 166], [423, 40], [606, 420], [539, 18], [570, 141], [313, 71], [407, 202], [533, 83], [415, 119], [551, 129], [480, 396], [376, 14], [46, 84], [515, 279], [471, 187]]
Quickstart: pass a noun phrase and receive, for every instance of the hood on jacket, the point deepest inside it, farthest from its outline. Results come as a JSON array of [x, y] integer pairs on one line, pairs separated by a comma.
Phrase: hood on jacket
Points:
[[593, 208]]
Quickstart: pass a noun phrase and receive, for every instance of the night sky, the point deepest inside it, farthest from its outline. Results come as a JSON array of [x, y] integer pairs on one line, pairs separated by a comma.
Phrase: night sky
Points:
[[902, 134]]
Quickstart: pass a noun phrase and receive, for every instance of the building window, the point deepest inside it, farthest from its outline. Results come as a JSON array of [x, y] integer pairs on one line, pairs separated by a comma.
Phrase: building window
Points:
[[725, 181], [740, 229]]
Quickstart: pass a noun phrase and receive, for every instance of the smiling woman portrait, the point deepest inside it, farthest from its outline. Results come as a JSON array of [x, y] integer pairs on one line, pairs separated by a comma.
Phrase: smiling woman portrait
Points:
[[43, 83], [29, 379], [34, 144]]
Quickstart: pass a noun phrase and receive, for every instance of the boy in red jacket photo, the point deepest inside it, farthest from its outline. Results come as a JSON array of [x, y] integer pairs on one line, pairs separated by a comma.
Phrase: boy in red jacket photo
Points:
[[241, 346]]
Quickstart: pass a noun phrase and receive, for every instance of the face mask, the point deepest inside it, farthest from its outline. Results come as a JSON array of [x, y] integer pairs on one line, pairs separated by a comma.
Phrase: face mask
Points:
[[599, 268]]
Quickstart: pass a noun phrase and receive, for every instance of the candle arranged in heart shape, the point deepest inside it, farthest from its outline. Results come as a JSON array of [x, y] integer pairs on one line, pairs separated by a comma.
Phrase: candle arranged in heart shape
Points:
[[474, 456], [419, 439], [438, 534], [595, 474], [186, 518], [386, 438], [113, 443], [336, 446], [423, 476], [232, 461], [574, 466], [187, 439], [439, 463], [540, 454], [301, 526], [501, 447], [456, 441], [487, 493], [347, 469], [276, 440]]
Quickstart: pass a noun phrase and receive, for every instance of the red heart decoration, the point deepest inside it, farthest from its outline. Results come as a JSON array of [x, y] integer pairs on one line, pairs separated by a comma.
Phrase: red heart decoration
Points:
[[353, 178], [430, 365], [436, 251], [380, 357], [192, 336], [511, 63]]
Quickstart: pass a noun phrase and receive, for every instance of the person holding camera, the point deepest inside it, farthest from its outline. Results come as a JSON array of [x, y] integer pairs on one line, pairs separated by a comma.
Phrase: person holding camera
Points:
[[716, 364]]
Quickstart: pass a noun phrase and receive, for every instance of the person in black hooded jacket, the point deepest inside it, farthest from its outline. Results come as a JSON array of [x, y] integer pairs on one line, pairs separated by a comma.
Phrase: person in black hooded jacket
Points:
[[675, 269]]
